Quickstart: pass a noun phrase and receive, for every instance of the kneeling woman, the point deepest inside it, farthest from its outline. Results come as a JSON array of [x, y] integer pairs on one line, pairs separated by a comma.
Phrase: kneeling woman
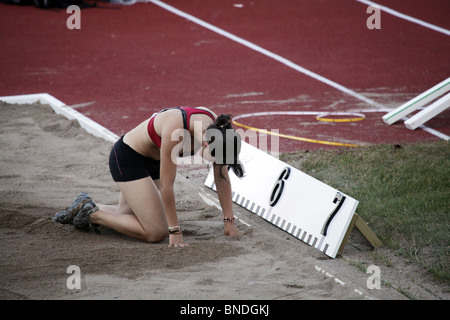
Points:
[[142, 166]]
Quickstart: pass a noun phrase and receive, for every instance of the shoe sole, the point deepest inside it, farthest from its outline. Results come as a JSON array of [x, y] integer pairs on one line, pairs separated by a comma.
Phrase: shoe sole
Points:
[[66, 216]]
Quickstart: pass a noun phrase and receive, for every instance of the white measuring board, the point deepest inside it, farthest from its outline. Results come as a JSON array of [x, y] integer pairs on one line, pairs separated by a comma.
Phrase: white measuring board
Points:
[[301, 205]]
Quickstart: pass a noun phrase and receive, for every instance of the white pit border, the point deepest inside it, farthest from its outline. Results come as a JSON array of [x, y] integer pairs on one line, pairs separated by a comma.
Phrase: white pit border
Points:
[[61, 108]]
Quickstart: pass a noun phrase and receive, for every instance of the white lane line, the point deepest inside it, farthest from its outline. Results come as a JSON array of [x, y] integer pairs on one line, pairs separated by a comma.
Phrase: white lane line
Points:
[[342, 283], [406, 17], [209, 200]]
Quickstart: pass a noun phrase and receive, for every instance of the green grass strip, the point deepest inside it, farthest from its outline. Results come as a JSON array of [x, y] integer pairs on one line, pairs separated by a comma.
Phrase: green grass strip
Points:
[[403, 193]]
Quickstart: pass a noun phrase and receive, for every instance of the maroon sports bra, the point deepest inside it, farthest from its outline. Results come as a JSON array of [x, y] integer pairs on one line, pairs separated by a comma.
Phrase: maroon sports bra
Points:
[[186, 112]]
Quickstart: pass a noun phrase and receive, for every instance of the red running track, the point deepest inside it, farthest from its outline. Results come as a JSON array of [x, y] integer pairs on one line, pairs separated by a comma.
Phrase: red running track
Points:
[[127, 62]]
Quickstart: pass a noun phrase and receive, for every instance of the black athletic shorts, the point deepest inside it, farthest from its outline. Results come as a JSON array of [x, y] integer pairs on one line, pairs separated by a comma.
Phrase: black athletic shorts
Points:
[[126, 164]]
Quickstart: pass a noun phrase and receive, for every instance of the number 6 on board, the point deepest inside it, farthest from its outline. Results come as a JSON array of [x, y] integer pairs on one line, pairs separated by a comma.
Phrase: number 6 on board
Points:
[[277, 189]]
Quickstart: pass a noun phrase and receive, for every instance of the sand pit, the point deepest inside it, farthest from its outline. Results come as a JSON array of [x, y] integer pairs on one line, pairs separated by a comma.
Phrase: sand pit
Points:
[[46, 160]]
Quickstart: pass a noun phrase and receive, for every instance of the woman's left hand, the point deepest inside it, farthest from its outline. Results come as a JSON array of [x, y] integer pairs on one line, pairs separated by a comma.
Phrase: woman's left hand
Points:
[[230, 229]]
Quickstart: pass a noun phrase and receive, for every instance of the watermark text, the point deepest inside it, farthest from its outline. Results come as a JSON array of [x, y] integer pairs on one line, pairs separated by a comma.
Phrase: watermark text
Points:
[[374, 21], [74, 20], [223, 147], [374, 280], [74, 280]]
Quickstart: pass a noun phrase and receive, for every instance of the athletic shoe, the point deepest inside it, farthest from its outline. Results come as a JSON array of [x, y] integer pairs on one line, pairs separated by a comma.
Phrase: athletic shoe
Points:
[[67, 215], [82, 219]]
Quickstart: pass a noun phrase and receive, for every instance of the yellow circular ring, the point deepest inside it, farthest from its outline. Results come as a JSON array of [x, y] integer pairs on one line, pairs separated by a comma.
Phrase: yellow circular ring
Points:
[[321, 117]]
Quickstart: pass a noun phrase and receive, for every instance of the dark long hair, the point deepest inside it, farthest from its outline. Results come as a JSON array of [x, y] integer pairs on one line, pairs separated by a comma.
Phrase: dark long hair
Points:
[[226, 145]]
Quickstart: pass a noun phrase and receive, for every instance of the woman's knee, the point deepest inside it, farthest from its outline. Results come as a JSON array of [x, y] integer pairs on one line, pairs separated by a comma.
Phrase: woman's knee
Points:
[[156, 236]]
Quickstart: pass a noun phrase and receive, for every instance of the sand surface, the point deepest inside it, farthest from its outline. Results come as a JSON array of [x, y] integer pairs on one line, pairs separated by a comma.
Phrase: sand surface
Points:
[[46, 160]]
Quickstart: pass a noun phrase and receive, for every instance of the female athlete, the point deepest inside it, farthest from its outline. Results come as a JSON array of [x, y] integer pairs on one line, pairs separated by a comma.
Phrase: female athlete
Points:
[[142, 164]]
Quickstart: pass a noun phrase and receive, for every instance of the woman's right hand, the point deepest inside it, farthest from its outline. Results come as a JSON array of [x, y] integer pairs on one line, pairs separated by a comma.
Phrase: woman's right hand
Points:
[[176, 240]]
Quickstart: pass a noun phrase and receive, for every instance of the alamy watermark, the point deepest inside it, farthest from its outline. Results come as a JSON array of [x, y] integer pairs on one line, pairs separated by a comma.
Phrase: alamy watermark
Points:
[[225, 147], [74, 20], [374, 21], [74, 280], [374, 280]]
